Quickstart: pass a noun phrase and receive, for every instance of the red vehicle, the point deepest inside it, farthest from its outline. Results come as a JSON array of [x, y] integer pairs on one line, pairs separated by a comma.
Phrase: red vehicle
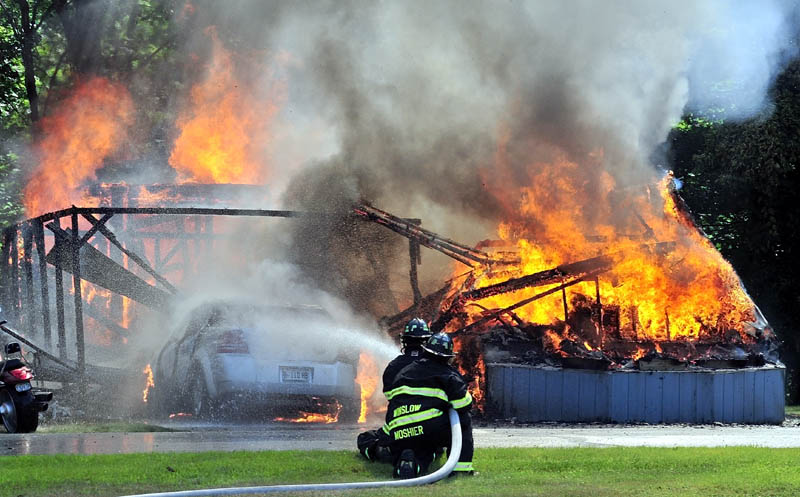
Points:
[[20, 404]]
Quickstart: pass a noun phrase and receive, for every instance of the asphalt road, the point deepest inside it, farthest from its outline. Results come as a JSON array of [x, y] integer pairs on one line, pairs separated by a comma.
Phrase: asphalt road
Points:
[[279, 436]]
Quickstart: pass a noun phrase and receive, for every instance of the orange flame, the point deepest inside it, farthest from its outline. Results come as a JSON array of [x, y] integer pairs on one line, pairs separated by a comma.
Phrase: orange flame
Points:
[[85, 129], [311, 417], [367, 378], [225, 132], [685, 292], [149, 383]]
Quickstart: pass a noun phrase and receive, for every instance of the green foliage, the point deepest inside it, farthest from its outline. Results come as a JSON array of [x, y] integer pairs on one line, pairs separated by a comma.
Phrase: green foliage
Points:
[[10, 207], [620, 471]]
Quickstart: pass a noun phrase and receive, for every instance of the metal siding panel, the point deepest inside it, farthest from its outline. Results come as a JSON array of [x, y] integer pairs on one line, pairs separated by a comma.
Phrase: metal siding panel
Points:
[[728, 397], [530, 394], [495, 387], [776, 396], [554, 383], [748, 406], [718, 413], [570, 409], [705, 397], [654, 397], [538, 396], [671, 398], [618, 409], [636, 397], [522, 381], [601, 397], [738, 397], [587, 387], [687, 397], [759, 393], [508, 395]]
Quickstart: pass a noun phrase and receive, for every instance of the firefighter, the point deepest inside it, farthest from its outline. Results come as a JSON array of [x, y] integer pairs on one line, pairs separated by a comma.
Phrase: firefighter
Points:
[[372, 443], [416, 419], [414, 335]]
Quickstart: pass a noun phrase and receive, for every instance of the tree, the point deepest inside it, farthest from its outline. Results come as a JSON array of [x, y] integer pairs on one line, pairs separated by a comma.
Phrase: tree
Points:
[[24, 19]]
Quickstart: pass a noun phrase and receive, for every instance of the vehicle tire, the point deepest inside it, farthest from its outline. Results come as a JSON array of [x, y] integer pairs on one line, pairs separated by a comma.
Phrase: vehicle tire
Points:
[[351, 410], [8, 411], [200, 404], [28, 421]]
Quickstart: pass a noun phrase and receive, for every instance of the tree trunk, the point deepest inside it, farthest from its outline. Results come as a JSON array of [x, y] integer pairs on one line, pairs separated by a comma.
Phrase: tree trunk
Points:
[[28, 43]]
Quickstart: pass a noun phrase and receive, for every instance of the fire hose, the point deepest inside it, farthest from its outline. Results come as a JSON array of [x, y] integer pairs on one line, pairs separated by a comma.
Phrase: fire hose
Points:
[[446, 469]]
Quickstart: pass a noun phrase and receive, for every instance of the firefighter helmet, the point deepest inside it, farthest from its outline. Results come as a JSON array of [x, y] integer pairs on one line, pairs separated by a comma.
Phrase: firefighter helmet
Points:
[[440, 345], [416, 328]]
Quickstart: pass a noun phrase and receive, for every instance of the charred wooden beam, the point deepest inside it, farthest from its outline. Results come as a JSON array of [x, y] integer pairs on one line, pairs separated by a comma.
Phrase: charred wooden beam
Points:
[[462, 253], [95, 227], [547, 277], [27, 269], [101, 270], [38, 234], [185, 211], [413, 253], [5, 271], [75, 254], [15, 310], [14, 334], [495, 314], [60, 319], [131, 255]]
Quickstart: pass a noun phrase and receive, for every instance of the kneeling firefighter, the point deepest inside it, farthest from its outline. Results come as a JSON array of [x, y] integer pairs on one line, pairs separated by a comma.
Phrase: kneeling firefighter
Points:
[[416, 419], [373, 444]]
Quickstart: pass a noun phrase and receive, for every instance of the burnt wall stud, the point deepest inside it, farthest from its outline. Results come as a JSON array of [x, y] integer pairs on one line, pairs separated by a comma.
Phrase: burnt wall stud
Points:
[[60, 320], [76, 286], [27, 269], [14, 287], [38, 233]]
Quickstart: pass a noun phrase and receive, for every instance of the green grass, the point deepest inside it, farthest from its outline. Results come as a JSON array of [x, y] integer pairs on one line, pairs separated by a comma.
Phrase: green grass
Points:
[[652, 472]]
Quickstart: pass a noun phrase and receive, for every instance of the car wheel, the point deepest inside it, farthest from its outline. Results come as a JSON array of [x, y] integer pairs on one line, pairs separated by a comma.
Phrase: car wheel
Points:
[[351, 410], [200, 406], [8, 411]]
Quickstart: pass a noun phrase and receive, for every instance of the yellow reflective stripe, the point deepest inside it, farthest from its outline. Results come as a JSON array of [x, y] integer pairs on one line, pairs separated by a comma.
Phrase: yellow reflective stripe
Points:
[[417, 417], [422, 391], [386, 429], [463, 466], [462, 402]]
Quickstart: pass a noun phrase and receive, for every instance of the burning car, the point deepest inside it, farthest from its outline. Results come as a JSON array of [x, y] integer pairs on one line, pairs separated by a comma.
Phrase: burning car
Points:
[[228, 356]]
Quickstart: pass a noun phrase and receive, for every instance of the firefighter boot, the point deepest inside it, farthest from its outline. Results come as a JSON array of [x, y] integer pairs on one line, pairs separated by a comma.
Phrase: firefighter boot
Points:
[[406, 466]]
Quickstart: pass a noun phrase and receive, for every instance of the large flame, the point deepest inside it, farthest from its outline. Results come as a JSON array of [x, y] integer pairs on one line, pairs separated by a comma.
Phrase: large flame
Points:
[[225, 132], [149, 383], [85, 129], [568, 212], [367, 378]]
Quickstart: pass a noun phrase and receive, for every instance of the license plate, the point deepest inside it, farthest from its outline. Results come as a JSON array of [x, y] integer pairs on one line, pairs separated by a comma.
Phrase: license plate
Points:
[[22, 387], [291, 374]]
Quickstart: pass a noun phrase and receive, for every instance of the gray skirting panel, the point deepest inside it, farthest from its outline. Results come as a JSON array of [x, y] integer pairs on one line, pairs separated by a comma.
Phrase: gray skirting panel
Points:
[[532, 394]]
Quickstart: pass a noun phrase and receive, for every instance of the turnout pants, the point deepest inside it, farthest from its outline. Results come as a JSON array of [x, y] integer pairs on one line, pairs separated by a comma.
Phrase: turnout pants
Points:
[[426, 437]]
